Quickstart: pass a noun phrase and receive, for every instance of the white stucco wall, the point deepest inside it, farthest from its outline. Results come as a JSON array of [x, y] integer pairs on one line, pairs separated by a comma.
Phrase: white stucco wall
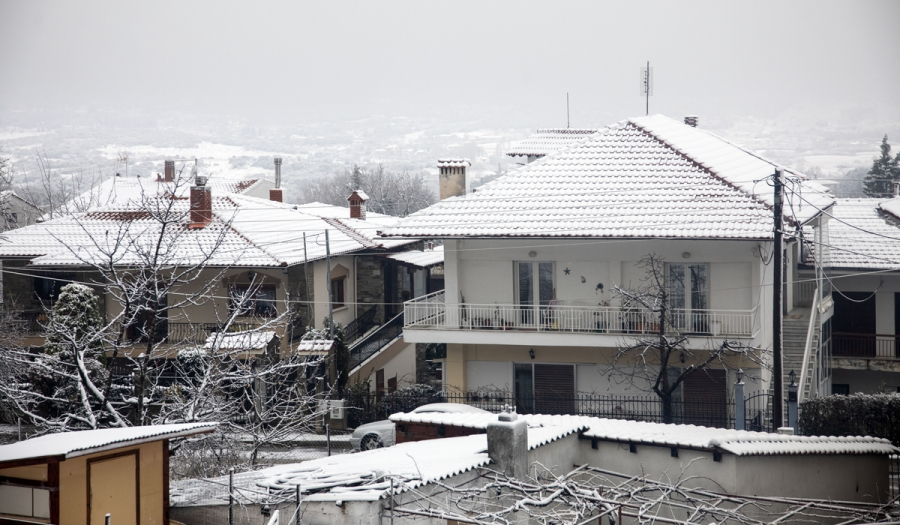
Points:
[[322, 287]]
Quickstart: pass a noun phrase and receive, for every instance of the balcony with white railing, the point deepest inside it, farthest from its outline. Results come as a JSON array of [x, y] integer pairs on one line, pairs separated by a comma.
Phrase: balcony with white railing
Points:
[[564, 317]]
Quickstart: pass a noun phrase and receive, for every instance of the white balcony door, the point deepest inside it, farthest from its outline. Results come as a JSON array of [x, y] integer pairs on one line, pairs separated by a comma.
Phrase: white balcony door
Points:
[[689, 296], [534, 289]]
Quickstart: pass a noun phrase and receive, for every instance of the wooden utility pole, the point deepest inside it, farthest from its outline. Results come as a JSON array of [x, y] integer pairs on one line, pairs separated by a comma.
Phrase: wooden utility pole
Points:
[[777, 315]]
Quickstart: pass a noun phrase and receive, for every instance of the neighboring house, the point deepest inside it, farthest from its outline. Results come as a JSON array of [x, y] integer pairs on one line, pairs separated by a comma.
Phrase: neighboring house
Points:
[[419, 479], [80, 477], [532, 260], [16, 211], [547, 141], [863, 270], [248, 240]]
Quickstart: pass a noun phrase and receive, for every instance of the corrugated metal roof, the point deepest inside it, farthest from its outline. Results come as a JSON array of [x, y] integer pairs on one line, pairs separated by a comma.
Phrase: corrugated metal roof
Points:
[[73, 444], [422, 259], [738, 442], [642, 178]]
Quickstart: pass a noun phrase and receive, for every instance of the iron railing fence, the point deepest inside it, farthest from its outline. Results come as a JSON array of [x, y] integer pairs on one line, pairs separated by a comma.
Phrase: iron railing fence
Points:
[[864, 345], [367, 407], [375, 341], [357, 327], [430, 312]]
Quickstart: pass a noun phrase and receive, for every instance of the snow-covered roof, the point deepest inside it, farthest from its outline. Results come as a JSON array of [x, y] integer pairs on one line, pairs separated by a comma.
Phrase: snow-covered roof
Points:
[[245, 232], [315, 345], [67, 445], [453, 163], [862, 234], [250, 340], [361, 477], [546, 141], [640, 178], [738, 442], [422, 259], [122, 190]]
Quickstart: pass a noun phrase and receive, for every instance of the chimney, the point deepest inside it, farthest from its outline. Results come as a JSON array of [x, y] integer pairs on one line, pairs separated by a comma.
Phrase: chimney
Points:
[[358, 204], [169, 174], [453, 177], [508, 445], [691, 120], [275, 194], [201, 203]]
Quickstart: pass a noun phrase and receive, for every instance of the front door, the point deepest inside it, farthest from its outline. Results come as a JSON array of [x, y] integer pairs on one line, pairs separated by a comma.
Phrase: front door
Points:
[[113, 487]]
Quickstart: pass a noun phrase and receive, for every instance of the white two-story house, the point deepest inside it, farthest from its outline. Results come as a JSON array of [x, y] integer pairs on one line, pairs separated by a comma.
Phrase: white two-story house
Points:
[[532, 261]]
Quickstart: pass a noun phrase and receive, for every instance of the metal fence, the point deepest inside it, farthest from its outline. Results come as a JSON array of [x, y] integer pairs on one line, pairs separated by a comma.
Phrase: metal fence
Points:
[[367, 407]]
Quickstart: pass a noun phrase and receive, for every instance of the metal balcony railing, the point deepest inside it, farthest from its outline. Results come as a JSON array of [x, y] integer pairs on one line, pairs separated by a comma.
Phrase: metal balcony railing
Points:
[[883, 346], [430, 312]]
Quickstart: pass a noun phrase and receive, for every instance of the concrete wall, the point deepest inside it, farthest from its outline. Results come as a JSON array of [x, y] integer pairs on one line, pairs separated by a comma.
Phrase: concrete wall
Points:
[[398, 360], [866, 381]]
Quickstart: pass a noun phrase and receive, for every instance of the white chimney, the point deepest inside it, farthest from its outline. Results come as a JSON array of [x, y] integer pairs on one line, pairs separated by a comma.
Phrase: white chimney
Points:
[[508, 445]]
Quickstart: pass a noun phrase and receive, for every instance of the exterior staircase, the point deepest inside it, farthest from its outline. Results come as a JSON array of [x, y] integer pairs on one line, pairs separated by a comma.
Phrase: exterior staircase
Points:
[[794, 331]]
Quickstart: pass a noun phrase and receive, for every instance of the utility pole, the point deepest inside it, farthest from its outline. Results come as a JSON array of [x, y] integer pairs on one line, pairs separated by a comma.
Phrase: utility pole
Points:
[[328, 284], [777, 315]]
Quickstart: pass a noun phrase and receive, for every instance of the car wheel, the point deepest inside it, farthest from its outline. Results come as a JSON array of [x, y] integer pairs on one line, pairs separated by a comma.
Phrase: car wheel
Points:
[[371, 442]]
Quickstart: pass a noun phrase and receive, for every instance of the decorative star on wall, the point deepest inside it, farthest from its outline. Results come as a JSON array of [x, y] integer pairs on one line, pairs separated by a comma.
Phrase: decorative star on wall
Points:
[[567, 271]]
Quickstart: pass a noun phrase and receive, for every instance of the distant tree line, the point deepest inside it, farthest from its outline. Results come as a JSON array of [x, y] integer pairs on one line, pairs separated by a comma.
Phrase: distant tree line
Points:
[[390, 192], [879, 181]]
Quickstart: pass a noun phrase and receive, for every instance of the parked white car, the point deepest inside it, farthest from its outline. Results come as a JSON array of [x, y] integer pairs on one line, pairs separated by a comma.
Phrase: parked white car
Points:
[[380, 434]]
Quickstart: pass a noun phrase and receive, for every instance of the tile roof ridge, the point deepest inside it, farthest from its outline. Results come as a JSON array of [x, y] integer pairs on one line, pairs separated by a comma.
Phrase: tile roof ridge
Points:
[[632, 121]]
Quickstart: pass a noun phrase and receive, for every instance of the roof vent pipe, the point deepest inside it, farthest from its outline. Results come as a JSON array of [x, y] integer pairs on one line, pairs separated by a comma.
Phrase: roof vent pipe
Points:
[[691, 120], [275, 194]]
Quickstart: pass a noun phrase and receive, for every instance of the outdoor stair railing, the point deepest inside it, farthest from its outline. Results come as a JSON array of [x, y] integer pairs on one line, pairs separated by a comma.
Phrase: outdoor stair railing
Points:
[[375, 341]]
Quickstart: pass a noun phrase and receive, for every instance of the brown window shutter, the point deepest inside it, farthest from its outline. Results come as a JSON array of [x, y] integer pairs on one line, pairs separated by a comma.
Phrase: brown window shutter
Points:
[[705, 398], [554, 389]]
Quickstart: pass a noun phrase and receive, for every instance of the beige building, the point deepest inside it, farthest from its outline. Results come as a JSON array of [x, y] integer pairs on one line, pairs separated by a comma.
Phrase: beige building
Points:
[[77, 478]]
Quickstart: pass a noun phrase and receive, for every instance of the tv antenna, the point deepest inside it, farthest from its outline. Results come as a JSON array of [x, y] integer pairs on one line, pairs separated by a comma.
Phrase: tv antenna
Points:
[[647, 84], [123, 157], [568, 121]]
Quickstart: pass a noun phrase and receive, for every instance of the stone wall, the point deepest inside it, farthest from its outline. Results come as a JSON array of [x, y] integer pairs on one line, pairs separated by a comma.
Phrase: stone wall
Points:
[[370, 284]]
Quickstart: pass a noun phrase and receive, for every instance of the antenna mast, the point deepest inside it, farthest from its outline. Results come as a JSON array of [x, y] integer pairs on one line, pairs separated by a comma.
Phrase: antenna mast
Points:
[[647, 84], [568, 121]]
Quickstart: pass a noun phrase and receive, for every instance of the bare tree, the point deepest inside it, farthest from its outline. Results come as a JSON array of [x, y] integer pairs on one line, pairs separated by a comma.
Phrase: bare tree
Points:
[[653, 356], [59, 195], [390, 193]]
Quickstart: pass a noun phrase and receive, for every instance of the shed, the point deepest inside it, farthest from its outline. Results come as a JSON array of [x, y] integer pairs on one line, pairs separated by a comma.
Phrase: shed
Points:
[[78, 477]]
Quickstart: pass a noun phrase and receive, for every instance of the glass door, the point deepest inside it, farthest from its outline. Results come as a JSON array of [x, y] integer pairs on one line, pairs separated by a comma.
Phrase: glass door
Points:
[[689, 296], [534, 291]]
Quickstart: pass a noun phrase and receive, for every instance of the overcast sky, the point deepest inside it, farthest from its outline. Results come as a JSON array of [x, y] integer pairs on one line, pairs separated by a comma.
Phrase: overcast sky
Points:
[[321, 60]]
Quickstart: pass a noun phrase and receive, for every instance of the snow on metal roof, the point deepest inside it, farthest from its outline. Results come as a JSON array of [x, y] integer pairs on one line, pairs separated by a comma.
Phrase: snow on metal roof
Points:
[[245, 232], [67, 445], [315, 345], [422, 259], [642, 178], [863, 234], [251, 340], [546, 141], [453, 163], [738, 442], [361, 476]]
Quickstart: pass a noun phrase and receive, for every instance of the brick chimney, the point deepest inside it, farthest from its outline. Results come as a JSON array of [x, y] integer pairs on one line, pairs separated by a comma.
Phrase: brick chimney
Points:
[[275, 194], [169, 174], [201, 203], [691, 120], [453, 177], [358, 204]]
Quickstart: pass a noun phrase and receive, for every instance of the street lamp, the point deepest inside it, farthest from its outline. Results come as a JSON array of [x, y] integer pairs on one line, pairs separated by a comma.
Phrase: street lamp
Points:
[[740, 375], [793, 376], [531, 353]]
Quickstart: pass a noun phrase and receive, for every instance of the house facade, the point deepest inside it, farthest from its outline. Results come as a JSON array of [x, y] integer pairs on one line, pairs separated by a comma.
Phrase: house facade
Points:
[[533, 261], [862, 272]]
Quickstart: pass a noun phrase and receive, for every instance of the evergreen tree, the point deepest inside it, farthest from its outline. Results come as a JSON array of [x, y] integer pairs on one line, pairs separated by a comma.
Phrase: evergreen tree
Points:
[[879, 182]]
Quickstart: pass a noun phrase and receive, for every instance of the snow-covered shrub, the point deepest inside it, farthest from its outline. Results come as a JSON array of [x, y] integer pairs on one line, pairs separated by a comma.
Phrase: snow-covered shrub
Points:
[[875, 415]]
